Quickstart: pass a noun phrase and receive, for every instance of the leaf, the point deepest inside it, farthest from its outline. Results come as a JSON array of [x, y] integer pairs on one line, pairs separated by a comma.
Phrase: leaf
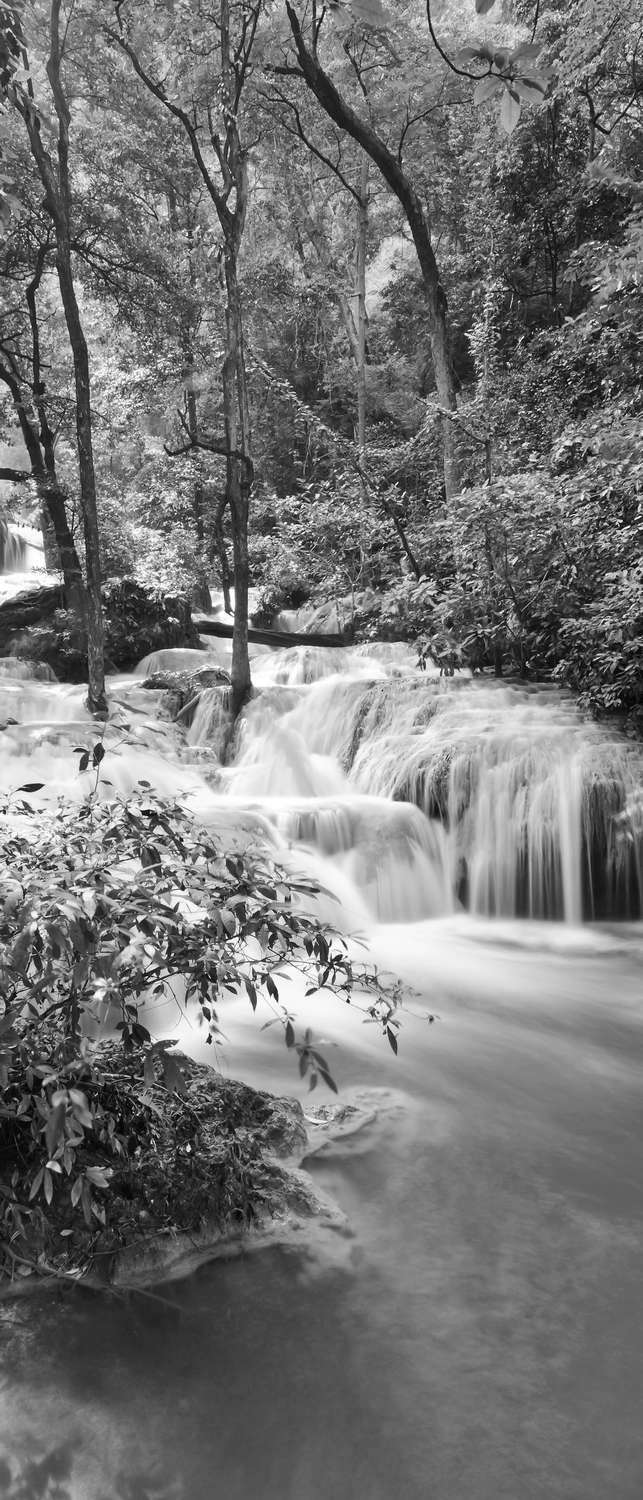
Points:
[[482, 6], [84, 761], [526, 52], [54, 1126], [509, 111], [35, 1186], [98, 1176], [31, 786], [88, 898], [531, 90], [329, 1080], [392, 1039], [486, 88], [468, 54], [48, 1183], [290, 1034], [80, 1108], [98, 754]]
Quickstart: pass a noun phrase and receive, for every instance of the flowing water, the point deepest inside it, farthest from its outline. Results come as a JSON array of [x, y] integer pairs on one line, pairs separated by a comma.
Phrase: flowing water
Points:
[[477, 1332]]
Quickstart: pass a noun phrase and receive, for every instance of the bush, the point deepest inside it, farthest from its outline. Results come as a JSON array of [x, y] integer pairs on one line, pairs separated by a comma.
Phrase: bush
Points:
[[107, 905]]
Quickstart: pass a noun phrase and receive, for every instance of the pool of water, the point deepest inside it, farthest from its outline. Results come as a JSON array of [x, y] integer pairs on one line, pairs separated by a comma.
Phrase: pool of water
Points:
[[478, 1333]]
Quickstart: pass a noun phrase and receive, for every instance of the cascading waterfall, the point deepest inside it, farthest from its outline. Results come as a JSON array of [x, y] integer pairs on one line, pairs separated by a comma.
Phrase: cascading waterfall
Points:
[[490, 1283], [426, 794], [536, 808], [21, 548]]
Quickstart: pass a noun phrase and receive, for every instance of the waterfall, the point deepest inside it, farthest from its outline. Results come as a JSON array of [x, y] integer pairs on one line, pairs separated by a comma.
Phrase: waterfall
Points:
[[530, 810], [21, 548], [427, 795]]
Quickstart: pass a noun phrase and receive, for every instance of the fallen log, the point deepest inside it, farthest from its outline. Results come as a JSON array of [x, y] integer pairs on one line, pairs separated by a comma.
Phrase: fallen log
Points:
[[267, 637]]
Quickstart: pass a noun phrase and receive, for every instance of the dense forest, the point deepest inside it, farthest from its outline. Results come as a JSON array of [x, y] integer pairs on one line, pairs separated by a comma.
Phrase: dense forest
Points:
[[340, 301], [333, 309]]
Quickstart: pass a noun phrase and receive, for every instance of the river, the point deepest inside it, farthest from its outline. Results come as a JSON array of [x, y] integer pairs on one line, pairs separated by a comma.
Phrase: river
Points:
[[477, 1333]]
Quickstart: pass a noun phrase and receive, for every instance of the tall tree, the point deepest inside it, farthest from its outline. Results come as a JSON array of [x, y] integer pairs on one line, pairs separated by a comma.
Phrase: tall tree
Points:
[[308, 35], [55, 175], [210, 119]]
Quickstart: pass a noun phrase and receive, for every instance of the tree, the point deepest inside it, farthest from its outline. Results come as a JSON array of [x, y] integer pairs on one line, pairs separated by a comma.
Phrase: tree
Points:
[[25, 273], [211, 125], [318, 79], [55, 176]]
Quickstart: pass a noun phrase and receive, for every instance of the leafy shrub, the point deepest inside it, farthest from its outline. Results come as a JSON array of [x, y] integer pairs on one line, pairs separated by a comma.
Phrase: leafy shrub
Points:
[[108, 906]]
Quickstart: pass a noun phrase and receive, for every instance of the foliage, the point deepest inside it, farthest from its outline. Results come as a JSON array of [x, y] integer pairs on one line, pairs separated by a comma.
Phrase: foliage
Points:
[[110, 908]]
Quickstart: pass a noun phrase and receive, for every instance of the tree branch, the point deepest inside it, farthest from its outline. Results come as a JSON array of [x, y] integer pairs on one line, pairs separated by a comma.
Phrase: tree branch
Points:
[[16, 476]]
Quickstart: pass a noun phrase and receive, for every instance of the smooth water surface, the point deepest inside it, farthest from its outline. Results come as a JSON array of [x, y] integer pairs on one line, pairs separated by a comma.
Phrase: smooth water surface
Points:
[[479, 1334]]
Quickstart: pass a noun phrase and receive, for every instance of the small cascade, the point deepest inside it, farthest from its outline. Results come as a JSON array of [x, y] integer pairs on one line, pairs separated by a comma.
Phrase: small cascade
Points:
[[537, 806], [397, 859], [21, 555], [291, 665], [21, 548], [279, 764], [173, 659]]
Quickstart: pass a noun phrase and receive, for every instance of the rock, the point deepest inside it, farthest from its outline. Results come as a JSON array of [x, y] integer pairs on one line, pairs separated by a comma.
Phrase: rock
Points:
[[138, 620], [182, 690]]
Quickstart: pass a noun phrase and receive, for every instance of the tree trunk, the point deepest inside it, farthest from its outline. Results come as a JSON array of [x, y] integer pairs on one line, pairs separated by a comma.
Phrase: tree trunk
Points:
[[345, 117], [56, 183], [219, 548], [96, 697], [238, 476], [362, 232]]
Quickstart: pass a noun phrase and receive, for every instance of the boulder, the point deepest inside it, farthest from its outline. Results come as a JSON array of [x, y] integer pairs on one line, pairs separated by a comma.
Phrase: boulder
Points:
[[34, 626], [182, 690]]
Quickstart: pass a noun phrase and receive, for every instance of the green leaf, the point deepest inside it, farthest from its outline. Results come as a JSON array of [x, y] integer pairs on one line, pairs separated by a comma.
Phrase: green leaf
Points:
[[30, 786], [487, 88], [531, 90], [35, 1186], [98, 1176], [509, 111], [54, 1126], [526, 52], [482, 6]]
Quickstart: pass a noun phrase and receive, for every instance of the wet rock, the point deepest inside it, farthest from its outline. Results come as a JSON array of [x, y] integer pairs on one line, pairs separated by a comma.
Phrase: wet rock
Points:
[[137, 621], [182, 690]]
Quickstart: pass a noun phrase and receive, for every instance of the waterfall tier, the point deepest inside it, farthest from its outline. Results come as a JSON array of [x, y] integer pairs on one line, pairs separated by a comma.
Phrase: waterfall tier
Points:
[[541, 810]]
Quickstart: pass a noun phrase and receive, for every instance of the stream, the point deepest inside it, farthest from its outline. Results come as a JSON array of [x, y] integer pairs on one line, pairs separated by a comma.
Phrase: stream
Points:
[[477, 1333]]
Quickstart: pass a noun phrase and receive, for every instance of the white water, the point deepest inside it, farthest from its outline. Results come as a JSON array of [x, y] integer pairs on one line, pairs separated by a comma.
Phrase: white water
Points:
[[478, 1336]]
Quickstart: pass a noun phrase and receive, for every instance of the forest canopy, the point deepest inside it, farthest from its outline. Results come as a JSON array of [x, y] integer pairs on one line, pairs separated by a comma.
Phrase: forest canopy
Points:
[[338, 301]]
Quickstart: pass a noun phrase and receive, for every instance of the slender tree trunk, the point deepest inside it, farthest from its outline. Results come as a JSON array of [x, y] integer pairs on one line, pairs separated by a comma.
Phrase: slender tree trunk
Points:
[[56, 182], [238, 476], [40, 449], [321, 85], [96, 697], [362, 232], [219, 546]]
